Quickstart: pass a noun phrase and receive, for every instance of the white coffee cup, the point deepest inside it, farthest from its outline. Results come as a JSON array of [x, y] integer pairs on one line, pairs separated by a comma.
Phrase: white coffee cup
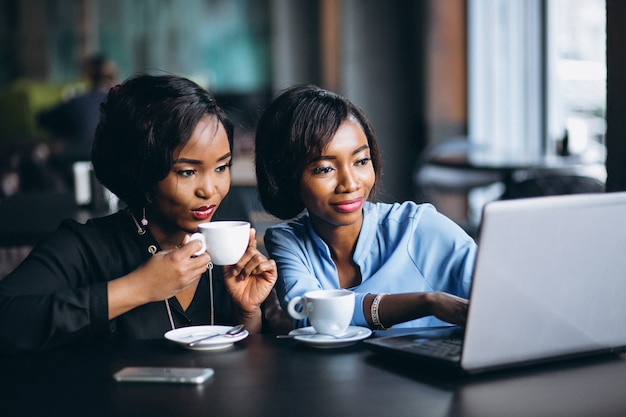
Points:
[[328, 311], [226, 240]]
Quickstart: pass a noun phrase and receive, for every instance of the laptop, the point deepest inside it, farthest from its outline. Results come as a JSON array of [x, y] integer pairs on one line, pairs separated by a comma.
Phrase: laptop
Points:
[[549, 283]]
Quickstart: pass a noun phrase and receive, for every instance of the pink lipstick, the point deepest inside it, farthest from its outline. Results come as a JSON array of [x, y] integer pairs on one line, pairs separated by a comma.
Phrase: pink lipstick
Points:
[[349, 206]]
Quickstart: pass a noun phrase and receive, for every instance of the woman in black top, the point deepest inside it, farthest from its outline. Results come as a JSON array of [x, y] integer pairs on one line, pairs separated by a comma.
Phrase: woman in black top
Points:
[[164, 147]]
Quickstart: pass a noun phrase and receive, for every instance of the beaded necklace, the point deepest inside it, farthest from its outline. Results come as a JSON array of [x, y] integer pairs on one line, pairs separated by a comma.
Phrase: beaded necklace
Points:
[[152, 249]]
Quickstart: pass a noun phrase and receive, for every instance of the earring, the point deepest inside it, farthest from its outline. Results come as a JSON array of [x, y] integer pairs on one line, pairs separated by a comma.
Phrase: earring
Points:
[[144, 221]]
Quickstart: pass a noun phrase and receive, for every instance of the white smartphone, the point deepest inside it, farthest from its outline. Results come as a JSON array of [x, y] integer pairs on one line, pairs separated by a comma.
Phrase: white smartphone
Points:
[[163, 374]]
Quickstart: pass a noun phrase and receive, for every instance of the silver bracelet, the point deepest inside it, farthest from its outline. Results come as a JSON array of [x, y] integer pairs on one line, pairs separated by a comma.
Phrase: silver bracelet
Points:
[[374, 312]]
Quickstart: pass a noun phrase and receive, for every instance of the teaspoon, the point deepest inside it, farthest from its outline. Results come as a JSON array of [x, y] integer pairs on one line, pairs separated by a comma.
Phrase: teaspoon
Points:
[[346, 335], [233, 331]]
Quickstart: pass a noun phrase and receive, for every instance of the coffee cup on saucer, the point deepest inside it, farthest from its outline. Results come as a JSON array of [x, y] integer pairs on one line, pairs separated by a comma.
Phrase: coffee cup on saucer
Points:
[[328, 311]]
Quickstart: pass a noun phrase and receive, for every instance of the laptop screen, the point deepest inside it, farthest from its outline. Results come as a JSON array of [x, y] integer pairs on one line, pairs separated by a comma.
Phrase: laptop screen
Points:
[[549, 279], [549, 282]]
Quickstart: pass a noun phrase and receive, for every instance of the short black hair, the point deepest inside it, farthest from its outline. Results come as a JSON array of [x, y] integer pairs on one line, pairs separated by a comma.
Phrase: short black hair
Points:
[[143, 121], [292, 132]]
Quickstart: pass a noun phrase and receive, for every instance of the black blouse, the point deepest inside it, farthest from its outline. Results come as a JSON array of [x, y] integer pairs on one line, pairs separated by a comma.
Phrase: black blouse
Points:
[[58, 295]]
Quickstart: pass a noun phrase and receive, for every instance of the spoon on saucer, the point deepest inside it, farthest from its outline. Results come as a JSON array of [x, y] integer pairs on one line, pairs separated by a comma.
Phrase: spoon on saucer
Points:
[[233, 331], [346, 335]]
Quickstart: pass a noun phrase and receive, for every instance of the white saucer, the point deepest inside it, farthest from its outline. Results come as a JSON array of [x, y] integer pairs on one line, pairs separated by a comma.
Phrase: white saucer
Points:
[[184, 335], [310, 337]]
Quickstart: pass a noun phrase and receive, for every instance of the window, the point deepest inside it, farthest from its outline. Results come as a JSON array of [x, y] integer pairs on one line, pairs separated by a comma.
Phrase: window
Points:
[[537, 77], [576, 62]]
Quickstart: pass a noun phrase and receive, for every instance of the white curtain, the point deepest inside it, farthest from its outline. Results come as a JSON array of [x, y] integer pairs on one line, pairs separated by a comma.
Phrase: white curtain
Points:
[[506, 106]]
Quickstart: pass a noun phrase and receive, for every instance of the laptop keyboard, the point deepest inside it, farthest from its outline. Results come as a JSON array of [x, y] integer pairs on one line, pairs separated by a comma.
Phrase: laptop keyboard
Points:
[[440, 348]]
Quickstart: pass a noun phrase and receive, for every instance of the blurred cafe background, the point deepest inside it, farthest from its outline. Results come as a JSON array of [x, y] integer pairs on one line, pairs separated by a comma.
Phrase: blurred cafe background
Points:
[[472, 100]]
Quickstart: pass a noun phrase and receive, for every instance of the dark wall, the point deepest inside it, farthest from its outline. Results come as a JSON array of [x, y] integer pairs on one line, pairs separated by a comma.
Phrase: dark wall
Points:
[[382, 70], [381, 64], [616, 96]]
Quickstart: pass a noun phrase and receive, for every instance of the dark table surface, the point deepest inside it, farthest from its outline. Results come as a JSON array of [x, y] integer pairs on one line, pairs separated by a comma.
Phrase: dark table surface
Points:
[[463, 154], [263, 376], [480, 165]]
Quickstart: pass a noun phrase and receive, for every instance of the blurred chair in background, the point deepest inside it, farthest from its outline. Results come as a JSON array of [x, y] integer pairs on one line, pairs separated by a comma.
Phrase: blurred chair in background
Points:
[[444, 178]]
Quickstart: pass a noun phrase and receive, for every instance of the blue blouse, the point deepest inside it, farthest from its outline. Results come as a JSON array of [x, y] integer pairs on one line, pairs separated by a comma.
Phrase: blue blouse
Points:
[[402, 247]]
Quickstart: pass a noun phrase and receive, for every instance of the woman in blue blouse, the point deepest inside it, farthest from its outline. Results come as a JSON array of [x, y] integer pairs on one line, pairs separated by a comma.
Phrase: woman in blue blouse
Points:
[[408, 265]]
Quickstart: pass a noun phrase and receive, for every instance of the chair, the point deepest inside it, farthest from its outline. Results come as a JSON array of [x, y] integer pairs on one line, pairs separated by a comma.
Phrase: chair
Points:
[[553, 184]]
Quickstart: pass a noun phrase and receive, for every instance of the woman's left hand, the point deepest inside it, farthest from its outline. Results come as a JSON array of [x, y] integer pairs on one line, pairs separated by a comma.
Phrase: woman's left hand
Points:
[[250, 280]]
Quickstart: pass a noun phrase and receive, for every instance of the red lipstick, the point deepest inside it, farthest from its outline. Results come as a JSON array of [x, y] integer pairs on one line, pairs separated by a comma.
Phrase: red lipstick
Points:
[[204, 212]]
